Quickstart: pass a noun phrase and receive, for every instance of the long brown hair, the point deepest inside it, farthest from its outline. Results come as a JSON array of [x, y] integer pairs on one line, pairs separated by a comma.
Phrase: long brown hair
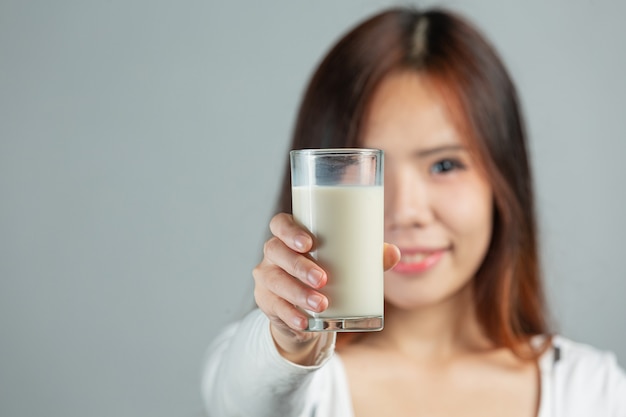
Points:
[[472, 78]]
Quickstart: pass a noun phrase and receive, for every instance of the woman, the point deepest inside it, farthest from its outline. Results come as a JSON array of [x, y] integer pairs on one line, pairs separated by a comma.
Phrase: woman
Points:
[[466, 329]]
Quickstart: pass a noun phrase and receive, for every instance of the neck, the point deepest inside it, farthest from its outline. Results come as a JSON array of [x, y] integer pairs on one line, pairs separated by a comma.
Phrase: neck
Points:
[[434, 332]]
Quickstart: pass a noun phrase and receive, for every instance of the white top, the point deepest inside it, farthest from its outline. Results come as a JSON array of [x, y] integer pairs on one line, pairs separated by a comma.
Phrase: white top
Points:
[[244, 375]]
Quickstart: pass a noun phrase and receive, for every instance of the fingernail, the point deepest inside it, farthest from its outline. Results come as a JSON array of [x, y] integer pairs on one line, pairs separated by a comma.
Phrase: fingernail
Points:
[[314, 277], [314, 300], [301, 242], [299, 322]]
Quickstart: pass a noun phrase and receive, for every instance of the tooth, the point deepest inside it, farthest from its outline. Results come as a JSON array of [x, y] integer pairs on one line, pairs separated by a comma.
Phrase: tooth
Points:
[[414, 258]]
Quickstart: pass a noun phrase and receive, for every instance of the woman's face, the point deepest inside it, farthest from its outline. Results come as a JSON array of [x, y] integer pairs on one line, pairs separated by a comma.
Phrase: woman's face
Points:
[[438, 204]]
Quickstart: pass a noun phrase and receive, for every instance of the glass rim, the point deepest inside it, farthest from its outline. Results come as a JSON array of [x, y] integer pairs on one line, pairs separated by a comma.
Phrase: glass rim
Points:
[[336, 151]]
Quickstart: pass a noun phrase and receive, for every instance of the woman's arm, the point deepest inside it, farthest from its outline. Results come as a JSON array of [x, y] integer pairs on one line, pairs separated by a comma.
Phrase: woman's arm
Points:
[[245, 375]]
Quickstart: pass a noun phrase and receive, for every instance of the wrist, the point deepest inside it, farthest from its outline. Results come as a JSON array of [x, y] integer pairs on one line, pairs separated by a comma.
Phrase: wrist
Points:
[[302, 348]]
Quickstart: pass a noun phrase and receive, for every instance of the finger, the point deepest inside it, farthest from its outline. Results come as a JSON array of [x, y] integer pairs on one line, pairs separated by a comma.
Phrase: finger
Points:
[[288, 315], [284, 227], [281, 312], [295, 264], [279, 283], [391, 256]]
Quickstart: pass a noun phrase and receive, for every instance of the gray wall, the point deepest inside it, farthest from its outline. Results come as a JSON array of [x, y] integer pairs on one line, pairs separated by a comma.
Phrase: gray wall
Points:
[[140, 148]]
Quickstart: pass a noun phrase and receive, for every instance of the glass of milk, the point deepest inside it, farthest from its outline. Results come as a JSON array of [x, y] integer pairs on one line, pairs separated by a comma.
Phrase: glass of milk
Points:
[[337, 194]]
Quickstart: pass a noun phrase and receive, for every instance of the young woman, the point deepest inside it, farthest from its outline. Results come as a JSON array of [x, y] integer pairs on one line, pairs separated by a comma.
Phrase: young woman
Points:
[[466, 332]]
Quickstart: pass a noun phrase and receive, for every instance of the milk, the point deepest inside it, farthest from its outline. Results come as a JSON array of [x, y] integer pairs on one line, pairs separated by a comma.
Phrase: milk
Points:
[[347, 222]]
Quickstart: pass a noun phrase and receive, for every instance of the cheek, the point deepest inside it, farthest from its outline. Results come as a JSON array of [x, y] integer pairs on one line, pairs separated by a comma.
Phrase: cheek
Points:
[[467, 211]]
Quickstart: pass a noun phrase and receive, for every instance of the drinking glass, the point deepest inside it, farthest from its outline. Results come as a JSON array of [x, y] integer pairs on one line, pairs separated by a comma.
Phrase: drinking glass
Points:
[[337, 194]]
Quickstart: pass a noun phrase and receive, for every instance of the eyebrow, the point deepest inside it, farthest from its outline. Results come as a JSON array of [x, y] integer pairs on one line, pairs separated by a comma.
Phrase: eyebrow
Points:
[[439, 149]]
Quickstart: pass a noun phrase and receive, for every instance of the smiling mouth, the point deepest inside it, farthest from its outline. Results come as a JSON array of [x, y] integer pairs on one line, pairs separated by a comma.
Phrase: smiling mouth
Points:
[[416, 262]]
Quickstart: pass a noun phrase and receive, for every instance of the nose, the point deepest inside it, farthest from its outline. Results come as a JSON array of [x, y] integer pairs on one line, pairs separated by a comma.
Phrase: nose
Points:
[[408, 201]]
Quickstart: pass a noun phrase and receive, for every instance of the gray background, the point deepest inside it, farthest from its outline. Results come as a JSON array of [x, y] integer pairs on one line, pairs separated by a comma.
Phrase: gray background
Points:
[[141, 143]]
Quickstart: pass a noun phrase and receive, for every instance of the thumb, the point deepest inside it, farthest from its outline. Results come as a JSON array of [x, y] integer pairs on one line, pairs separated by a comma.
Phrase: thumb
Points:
[[391, 256]]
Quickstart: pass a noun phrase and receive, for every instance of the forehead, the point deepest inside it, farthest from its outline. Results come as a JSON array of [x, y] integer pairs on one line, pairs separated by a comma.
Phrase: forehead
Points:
[[406, 110]]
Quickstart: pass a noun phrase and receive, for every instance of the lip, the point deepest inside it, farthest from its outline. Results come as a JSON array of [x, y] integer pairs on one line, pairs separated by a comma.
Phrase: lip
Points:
[[415, 261]]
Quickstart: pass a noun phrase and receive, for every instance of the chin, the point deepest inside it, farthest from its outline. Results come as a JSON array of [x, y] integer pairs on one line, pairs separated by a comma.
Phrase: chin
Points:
[[411, 303], [417, 297]]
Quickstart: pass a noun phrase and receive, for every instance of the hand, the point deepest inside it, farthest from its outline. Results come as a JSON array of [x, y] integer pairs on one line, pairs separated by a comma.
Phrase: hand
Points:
[[286, 283]]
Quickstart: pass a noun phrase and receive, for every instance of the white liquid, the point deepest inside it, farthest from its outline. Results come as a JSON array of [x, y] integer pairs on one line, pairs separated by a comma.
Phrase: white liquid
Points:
[[347, 222]]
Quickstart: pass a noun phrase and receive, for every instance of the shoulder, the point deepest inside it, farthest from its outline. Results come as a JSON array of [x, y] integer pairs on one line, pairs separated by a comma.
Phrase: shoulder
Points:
[[582, 360], [581, 378]]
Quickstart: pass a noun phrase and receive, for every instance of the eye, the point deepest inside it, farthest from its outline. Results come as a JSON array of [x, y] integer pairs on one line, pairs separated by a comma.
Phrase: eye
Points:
[[445, 166]]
